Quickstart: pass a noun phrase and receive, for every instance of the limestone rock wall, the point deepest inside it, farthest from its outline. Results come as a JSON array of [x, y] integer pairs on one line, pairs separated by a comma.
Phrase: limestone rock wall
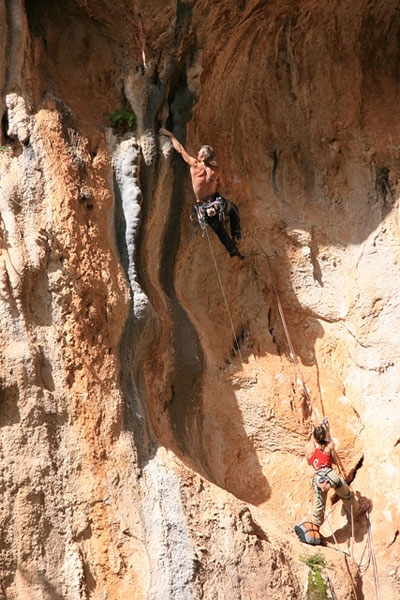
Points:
[[142, 453]]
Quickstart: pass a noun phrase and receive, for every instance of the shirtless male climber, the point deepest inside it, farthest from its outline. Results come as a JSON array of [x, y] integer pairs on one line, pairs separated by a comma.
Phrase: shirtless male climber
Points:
[[320, 454], [211, 207]]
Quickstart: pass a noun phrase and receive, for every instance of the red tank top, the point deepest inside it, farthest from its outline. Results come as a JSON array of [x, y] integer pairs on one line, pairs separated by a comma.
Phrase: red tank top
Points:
[[319, 460]]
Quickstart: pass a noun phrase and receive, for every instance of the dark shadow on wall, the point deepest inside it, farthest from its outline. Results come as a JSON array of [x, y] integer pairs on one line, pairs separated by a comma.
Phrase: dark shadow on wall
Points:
[[39, 583], [9, 400], [184, 404], [185, 408]]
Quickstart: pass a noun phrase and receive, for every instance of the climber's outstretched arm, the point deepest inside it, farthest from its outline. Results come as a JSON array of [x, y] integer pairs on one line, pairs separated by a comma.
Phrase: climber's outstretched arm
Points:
[[190, 160]]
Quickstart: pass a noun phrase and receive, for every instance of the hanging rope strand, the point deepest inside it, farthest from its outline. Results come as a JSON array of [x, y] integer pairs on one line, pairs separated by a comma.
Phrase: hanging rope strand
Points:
[[363, 566], [352, 529], [287, 334], [372, 553], [338, 461], [344, 554], [224, 295]]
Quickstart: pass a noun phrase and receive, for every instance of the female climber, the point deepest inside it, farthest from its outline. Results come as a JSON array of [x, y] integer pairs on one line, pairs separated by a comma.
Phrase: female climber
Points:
[[320, 454]]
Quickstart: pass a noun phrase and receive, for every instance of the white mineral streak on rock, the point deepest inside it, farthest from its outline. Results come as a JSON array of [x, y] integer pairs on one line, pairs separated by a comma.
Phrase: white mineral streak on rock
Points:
[[148, 147], [126, 161], [170, 550], [166, 146], [18, 118]]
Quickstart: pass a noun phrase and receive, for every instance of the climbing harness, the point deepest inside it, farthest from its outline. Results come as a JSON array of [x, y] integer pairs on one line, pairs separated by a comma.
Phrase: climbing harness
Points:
[[201, 216], [216, 206]]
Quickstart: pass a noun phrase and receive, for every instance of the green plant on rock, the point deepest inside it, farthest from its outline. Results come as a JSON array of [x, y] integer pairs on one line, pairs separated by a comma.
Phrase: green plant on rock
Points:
[[5, 149], [122, 120], [316, 588]]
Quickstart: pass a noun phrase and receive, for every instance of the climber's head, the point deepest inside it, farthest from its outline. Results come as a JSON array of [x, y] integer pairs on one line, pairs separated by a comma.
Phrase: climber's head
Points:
[[320, 434], [206, 153]]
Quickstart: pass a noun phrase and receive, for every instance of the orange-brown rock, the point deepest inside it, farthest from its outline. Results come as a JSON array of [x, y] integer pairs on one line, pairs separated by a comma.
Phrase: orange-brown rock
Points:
[[153, 412]]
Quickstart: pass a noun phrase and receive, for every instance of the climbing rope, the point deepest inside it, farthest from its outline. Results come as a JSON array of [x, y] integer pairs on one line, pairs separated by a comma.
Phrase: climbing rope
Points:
[[312, 409], [338, 461], [373, 557], [350, 575], [299, 375], [339, 465], [287, 334], [223, 293], [352, 529], [344, 554], [364, 566], [330, 588], [338, 548]]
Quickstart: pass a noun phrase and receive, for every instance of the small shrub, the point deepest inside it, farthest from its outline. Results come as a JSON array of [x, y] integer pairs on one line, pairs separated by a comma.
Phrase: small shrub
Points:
[[316, 588], [122, 120], [5, 149], [315, 561]]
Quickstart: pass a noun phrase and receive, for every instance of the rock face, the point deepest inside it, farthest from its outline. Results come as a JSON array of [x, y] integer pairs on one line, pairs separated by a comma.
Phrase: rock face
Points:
[[153, 410]]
